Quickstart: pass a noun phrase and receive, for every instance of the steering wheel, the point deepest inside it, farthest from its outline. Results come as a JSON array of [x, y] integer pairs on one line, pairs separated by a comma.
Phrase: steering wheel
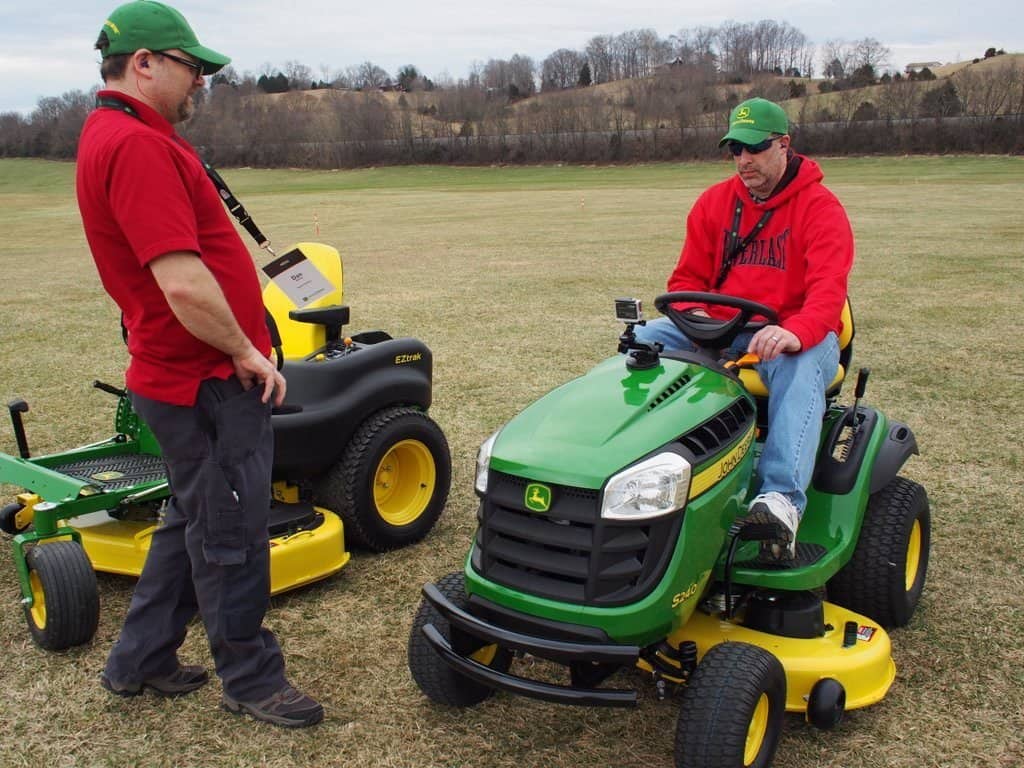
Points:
[[712, 332]]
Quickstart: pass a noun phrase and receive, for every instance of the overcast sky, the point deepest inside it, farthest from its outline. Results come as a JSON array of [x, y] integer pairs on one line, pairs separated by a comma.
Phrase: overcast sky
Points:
[[46, 48]]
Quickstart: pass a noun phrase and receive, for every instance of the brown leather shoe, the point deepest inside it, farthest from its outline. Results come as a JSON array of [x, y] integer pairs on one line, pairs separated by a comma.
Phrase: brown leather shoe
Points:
[[183, 680]]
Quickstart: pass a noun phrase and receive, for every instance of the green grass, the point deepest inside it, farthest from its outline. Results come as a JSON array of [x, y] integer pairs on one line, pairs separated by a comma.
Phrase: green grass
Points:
[[508, 275]]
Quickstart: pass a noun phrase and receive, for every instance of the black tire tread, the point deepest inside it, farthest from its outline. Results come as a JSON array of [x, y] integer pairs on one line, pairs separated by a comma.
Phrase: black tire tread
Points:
[[717, 704], [436, 679], [340, 488], [7, 516], [872, 583], [72, 596]]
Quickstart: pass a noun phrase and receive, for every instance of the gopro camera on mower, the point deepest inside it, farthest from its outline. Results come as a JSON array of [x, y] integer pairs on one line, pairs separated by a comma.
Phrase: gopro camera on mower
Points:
[[628, 310]]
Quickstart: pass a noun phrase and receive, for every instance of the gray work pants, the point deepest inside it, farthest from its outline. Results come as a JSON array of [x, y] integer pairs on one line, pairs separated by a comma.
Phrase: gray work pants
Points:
[[211, 551]]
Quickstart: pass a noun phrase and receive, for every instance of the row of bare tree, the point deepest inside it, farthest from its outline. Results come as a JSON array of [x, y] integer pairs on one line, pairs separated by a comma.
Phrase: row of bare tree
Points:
[[735, 50], [675, 113]]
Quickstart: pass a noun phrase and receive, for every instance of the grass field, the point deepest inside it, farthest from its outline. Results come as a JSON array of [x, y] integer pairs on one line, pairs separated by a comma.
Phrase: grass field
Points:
[[508, 274]]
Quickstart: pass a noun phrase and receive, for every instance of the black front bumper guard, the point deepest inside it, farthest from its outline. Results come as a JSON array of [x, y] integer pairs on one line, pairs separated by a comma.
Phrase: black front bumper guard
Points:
[[560, 651]]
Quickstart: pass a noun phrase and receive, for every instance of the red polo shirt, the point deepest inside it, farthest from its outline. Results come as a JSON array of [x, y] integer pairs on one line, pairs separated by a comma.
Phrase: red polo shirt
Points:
[[143, 193]]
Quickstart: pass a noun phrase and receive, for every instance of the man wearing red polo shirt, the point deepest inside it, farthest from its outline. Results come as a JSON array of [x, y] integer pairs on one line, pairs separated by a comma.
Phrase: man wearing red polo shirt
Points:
[[199, 371]]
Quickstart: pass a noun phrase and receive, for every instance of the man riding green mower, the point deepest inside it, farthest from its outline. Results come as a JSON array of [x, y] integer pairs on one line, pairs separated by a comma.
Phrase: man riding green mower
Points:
[[646, 515]]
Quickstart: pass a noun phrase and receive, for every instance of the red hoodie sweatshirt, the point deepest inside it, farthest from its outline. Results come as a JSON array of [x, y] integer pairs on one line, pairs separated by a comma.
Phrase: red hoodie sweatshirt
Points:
[[797, 264]]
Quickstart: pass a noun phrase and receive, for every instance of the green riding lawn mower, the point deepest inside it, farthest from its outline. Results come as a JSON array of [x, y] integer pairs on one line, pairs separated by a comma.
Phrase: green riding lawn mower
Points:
[[611, 537], [356, 457]]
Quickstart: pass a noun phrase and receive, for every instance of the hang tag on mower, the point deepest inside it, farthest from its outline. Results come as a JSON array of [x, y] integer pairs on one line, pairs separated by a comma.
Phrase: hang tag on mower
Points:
[[298, 277]]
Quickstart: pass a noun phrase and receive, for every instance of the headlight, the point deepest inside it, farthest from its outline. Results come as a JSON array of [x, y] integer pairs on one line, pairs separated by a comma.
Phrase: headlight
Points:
[[656, 486], [483, 462]]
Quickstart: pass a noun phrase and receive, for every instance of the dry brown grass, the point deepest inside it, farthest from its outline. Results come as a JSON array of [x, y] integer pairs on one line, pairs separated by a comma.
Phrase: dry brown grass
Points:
[[508, 274]]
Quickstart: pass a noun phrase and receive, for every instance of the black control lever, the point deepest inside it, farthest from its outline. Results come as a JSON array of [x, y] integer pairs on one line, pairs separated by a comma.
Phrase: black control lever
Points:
[[16, 408], [858, 393], [110, 389]]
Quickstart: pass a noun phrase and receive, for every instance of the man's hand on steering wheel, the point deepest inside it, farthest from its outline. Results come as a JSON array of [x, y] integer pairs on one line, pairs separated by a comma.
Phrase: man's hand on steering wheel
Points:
[[772, 341], [705, 331]]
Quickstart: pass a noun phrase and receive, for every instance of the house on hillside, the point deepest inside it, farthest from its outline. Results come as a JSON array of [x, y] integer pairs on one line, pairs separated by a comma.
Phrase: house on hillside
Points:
[[670, 65], [918, 66]]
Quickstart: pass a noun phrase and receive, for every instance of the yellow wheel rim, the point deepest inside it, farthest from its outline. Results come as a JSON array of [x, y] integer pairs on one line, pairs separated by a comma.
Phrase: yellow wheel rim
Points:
[[485, 655], [756, 730], [913, 555], [38, 610], [404, 482]]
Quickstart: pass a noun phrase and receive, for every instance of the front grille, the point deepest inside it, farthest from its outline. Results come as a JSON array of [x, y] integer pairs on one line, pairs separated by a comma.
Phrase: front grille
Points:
[[114, 473], [568, 553]]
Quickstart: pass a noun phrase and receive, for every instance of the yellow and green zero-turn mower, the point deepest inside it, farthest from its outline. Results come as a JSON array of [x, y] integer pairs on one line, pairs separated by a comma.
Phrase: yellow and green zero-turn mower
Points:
[[609, 540], [356, 456]]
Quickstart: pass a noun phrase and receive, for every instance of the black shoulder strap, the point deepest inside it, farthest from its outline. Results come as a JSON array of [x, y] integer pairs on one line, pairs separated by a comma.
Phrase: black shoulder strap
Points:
[[236, 208], [737, 246]]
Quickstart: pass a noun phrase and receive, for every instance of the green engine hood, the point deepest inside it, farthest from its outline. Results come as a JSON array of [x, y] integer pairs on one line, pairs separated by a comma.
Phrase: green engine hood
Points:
[[586, 430]]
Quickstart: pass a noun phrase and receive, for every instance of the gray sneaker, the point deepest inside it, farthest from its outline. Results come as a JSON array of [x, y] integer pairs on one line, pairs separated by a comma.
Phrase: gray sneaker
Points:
[[181, 681], [288, 708], [774, 507]]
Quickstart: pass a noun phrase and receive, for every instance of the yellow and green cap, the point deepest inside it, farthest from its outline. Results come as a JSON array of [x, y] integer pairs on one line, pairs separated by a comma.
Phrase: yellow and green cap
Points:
[[754, 120], [158, 27]]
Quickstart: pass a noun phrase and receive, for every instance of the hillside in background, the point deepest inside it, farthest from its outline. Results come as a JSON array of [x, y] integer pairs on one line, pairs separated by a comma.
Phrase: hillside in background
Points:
[[670, 114]]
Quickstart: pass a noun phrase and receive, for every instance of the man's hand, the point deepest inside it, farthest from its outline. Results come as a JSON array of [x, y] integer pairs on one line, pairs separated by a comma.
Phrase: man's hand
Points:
[[196, 299], [772, 341], [253, 369]]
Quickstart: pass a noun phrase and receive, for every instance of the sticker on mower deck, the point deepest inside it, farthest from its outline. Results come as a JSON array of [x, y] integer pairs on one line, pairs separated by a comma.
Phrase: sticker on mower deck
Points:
[[865, 633], [298, 277], [537, 497]]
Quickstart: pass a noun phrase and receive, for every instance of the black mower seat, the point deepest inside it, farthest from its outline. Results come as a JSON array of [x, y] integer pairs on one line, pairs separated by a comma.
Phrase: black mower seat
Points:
[[755, 386]]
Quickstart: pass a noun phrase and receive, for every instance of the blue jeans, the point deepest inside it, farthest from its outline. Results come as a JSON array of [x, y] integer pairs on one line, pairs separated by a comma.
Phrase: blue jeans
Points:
[[795, 409]]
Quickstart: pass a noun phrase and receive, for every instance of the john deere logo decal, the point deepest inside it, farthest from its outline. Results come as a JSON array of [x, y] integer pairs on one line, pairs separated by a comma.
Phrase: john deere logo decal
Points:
[[537, 497], [744, 112]]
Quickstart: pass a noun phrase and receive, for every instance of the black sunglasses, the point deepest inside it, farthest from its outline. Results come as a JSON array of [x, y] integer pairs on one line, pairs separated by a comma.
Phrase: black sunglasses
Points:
[[737, 147], [195, 66]]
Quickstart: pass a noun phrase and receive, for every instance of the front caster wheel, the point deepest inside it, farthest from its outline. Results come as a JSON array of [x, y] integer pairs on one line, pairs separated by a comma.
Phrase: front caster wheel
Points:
[[66, 603], [9, 519]]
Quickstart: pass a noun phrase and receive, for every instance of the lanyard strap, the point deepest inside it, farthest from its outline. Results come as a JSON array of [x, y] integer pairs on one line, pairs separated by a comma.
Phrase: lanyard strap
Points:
[[230, 201], [736, 246], [236, 208]]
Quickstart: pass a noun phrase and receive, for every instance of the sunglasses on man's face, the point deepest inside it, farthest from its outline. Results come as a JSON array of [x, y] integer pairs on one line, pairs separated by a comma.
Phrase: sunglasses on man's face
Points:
[[195, 66], [737, 147]]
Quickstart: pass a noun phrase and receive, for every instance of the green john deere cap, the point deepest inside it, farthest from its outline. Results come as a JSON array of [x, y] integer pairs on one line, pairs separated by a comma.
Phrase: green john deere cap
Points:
[[158, 27], [754, 120]]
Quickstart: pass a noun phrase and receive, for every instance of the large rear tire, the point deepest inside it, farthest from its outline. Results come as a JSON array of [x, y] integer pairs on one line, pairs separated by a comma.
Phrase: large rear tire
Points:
[[886, 575], [436, 679], [66, 601], [392, 481], [731, 714]]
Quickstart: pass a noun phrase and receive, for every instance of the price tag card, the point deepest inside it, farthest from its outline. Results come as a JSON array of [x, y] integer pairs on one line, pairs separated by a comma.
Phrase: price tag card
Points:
[[298, 277]]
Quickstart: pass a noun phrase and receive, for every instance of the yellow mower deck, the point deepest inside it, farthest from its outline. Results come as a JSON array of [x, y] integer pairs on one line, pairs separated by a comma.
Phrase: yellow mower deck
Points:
[[865, 668], [120, 546]]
